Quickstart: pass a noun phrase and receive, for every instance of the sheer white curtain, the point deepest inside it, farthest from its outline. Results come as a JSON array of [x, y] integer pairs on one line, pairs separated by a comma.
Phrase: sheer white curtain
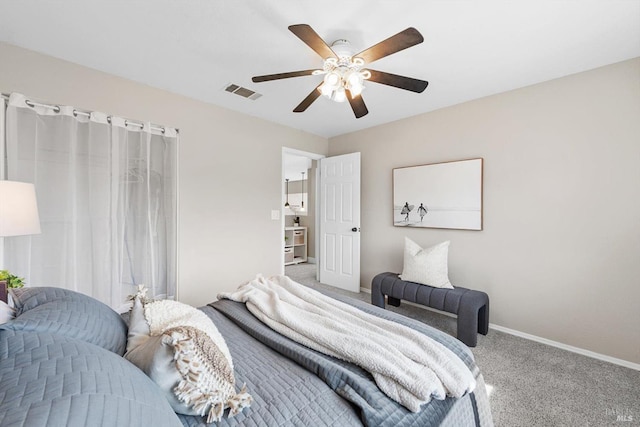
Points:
[[107, 200], [144, 233], [3, 162]]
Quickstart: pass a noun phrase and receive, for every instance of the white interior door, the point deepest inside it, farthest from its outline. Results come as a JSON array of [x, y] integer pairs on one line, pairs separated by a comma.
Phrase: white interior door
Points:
[[340, 221]]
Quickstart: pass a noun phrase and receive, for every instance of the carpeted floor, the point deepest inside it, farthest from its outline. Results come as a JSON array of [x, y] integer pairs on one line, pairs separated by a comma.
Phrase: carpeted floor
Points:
[[529, 383]]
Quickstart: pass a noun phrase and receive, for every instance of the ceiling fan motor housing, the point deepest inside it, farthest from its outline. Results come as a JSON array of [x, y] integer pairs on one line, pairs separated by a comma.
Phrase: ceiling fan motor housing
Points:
[[342, 49]]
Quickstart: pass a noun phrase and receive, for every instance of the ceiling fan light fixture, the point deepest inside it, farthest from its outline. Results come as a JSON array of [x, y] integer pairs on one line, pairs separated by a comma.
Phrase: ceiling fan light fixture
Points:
[[354, 82], [339, 95], [332, 79], [356, 90], [352, 78], [358, 62], [342, 74], [330, 63], [326, 90]]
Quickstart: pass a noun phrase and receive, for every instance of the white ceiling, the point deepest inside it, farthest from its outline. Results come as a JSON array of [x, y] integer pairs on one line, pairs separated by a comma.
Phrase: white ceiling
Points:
[[472, 48], [293, 166]]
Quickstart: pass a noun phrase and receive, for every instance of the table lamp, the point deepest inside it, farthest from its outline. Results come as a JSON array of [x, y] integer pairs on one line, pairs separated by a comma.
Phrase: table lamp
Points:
[[18, 215]]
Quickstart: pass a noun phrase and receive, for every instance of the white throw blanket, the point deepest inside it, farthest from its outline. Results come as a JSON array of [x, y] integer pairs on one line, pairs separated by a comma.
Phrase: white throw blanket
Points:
[[407, 366]]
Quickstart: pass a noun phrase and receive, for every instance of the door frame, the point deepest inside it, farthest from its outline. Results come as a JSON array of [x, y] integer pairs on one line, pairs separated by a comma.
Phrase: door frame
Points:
[[316, 246]]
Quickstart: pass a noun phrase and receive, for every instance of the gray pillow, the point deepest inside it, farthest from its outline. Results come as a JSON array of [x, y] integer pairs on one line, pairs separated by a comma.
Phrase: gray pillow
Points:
[[68, 313], [52, 380]]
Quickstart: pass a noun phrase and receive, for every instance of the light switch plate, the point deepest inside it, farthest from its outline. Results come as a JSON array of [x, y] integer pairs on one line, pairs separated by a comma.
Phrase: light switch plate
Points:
[[275, 215]]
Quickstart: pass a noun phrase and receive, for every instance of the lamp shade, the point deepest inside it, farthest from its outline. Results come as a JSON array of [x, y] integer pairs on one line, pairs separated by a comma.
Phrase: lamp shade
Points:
[[18, 209]]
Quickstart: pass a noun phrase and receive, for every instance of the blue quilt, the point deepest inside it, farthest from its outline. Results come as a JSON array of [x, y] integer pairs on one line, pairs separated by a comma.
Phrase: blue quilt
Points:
[[355, 385]]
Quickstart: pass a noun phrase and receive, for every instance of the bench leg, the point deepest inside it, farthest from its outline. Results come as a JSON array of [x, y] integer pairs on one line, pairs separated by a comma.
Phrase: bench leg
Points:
[[468, 327], [393, 301], [377, 297], [483, 320]]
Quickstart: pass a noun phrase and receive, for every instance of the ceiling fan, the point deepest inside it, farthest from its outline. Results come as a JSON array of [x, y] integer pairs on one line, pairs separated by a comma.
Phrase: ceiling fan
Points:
[[345, 72]]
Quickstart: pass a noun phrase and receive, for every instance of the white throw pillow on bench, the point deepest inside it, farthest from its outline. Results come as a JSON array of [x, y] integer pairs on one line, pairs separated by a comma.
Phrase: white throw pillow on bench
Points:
[[426, 266]]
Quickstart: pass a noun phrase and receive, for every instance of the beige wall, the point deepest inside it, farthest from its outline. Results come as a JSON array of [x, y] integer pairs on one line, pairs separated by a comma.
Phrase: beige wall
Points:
[[560, 251], [226, 232], [559, 255]]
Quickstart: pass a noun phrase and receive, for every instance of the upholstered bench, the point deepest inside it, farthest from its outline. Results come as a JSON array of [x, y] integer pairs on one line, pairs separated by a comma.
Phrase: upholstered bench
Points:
[[472, 307]]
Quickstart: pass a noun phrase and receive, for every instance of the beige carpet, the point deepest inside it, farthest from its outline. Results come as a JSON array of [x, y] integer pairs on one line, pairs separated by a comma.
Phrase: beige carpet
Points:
[[533, 384]]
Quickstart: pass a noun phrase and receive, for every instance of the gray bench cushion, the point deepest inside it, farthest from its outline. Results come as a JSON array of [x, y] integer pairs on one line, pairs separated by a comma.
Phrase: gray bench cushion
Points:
[[472, 307]]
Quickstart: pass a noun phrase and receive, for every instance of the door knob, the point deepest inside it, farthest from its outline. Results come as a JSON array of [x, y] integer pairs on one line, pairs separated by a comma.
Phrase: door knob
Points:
[[355, 229]]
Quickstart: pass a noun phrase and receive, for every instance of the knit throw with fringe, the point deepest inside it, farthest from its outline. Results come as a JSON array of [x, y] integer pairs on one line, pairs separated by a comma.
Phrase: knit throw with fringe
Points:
[[208, 383], [202, 359]]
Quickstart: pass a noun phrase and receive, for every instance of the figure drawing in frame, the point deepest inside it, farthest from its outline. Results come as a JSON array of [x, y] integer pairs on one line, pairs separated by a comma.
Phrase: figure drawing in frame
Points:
[[406, 209], [422, 211]]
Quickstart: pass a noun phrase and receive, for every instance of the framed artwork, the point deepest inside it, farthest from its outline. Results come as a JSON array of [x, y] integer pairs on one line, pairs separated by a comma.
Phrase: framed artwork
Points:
[[439, 195]]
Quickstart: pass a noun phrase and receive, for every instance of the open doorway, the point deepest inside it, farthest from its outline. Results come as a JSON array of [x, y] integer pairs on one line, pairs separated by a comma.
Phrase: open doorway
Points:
[[328, 233], [299, 212]]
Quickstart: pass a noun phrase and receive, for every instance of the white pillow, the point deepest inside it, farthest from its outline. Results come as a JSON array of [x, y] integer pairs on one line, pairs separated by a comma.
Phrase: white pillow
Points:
[[426, 266], [6, 312]]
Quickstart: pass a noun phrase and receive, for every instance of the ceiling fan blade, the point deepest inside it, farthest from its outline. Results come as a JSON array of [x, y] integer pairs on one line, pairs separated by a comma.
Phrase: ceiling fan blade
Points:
[[315, 93], [402, 82], [357, 105], [305, 33], [268, 77], [402, 40]]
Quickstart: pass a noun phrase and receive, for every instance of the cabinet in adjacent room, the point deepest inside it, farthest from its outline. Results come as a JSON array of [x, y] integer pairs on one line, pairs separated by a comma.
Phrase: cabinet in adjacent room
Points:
[[295, 245]]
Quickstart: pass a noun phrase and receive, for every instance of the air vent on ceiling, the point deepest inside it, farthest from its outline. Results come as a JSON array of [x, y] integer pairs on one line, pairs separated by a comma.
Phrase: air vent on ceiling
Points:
[[242, 91]]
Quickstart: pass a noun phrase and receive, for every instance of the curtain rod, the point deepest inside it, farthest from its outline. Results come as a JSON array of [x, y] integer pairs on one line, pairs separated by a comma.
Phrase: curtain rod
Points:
[[86, 114]]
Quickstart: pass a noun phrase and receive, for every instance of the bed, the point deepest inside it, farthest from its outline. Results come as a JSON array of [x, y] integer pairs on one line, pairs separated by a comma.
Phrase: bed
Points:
[[61, 364]]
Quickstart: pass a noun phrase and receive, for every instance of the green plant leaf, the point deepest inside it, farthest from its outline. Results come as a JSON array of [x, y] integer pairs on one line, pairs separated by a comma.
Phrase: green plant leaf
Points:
[[12, 280]]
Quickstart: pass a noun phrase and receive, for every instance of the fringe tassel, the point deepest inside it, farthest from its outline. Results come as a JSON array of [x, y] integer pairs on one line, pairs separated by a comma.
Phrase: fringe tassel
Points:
[[238, 402], [215, 413], [141, 294], [188, 390]]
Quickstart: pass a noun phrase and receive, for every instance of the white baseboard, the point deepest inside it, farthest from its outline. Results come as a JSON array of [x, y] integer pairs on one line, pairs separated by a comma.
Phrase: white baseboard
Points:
[[582, 351], [578, 350]]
